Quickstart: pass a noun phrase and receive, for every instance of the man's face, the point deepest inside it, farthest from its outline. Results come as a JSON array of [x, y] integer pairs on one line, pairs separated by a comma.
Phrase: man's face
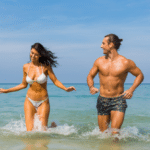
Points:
[[105, 46]]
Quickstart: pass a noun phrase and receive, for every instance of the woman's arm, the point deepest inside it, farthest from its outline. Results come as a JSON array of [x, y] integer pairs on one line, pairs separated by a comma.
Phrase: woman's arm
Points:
[[57, 82], [18, 87]]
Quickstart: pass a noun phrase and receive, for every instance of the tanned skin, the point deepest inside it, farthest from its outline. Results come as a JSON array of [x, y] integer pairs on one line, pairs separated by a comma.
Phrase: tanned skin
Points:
[[37, 91], [113, 70]]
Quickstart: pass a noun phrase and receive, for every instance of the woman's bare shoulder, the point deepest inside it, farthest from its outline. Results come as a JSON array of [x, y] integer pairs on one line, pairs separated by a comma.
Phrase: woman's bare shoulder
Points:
[[47, 67], [25, 67]]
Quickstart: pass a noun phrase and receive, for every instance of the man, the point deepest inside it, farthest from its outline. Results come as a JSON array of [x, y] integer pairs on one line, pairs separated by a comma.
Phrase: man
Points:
[[112, 69]]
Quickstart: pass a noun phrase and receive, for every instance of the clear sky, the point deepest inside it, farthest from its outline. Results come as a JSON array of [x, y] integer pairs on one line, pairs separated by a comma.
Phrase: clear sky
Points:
[[73, 30]]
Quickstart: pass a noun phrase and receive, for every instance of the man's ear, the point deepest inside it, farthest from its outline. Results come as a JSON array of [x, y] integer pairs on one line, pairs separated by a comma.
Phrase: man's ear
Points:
[[111, 45]]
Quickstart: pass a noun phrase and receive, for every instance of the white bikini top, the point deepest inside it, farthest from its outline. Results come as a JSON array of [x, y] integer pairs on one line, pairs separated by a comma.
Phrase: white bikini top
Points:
[[41, 79]]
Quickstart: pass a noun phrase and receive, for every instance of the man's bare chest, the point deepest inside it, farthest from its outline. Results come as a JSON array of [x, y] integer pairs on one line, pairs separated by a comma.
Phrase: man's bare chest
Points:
[[113, 69]]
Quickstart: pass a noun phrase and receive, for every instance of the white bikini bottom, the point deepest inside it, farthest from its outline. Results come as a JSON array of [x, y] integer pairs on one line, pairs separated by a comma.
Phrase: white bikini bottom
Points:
[[36, 104]]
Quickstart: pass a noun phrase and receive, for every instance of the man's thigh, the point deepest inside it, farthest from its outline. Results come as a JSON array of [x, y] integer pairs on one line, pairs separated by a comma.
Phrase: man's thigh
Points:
[[103, 122], [117, 118]]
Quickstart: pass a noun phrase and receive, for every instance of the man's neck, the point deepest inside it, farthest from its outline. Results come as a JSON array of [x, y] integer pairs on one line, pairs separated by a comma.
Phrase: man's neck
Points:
[[112, 55]]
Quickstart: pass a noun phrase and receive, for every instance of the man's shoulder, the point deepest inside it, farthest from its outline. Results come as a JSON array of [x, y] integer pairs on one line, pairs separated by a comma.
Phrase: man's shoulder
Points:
[[100, 59], [126, 61]]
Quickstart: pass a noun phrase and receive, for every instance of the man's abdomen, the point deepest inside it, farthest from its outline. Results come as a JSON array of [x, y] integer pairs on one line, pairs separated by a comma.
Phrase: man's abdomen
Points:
[[111, 86]]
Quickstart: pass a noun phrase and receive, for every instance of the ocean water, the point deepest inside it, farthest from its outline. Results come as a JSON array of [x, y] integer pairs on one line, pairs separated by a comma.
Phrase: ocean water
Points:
[[76, 116]]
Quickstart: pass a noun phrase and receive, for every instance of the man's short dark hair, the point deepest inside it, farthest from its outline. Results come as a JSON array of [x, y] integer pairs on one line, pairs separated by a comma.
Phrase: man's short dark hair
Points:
[[115, 40]]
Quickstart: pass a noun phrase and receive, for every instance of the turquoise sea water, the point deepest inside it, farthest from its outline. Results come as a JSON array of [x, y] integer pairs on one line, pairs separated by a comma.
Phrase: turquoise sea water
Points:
[[76, 116]]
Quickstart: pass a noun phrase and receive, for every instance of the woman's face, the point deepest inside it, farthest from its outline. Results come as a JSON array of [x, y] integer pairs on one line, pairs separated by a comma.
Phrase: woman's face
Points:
[[34, 55]]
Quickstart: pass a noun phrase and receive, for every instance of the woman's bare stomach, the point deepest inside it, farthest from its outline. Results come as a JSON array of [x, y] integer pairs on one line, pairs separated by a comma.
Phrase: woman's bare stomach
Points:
[[37, 95]]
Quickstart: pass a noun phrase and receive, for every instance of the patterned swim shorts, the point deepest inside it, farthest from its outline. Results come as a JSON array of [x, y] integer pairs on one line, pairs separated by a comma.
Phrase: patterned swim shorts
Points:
[[106, 105]]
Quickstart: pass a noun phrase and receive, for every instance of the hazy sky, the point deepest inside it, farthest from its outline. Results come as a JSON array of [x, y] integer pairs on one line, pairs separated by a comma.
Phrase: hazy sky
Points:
[[73, 30]]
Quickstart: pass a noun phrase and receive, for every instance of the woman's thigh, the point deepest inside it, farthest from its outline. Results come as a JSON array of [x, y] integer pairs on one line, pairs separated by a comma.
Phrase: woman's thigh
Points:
[[43, 112], [30, 111]]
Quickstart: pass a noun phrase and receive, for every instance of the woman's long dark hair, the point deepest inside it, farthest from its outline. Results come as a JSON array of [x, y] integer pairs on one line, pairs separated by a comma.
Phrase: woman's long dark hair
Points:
[[47, 57]]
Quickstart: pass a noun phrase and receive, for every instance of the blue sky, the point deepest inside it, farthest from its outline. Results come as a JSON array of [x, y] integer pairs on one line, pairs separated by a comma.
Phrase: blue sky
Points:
[[73, 30]]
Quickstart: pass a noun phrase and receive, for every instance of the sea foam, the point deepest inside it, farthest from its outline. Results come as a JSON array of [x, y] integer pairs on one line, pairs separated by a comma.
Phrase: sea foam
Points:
[[18, 128], [125, 133]]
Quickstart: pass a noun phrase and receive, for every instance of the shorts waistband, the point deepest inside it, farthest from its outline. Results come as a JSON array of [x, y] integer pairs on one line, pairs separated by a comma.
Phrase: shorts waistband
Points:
[[110, 98]]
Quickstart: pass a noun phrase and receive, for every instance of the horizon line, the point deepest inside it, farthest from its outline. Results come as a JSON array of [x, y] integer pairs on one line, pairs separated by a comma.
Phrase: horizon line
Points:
[[71, 83]]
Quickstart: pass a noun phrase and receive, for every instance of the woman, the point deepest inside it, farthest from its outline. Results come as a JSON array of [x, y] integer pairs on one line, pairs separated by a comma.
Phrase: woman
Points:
[[35, 73]]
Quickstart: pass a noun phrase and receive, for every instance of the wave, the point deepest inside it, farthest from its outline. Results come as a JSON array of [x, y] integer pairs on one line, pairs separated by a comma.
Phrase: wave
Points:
[[126, 133], [18, 128]]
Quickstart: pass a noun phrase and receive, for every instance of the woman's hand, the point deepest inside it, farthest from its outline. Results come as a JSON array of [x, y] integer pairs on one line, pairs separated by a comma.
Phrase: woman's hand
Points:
[[71, 88], [3, 90]]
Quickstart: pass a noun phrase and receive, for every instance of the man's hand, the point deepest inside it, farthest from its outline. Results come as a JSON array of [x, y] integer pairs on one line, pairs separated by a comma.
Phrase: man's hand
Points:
[[127, 94], [93, 90]]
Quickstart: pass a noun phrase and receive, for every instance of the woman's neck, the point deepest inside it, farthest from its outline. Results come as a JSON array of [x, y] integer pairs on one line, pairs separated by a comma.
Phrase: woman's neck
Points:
[[35, 63]]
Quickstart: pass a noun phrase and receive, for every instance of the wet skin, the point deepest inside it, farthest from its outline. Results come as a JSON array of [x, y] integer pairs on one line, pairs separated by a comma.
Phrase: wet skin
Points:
[[36, 91], [113, 70]]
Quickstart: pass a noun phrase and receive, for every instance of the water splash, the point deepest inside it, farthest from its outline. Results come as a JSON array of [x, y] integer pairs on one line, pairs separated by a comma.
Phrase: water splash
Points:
[[125, 133], [15, 126], [63, 129], [19, 128], [37, 123]]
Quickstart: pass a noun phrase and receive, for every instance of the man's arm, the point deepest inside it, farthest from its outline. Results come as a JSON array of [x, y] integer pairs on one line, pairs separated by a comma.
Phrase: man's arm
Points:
[[90, 78], [134, 70]]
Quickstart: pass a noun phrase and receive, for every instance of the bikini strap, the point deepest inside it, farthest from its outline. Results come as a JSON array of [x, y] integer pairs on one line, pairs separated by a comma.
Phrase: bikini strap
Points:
[[42, 68], [28, 69]]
